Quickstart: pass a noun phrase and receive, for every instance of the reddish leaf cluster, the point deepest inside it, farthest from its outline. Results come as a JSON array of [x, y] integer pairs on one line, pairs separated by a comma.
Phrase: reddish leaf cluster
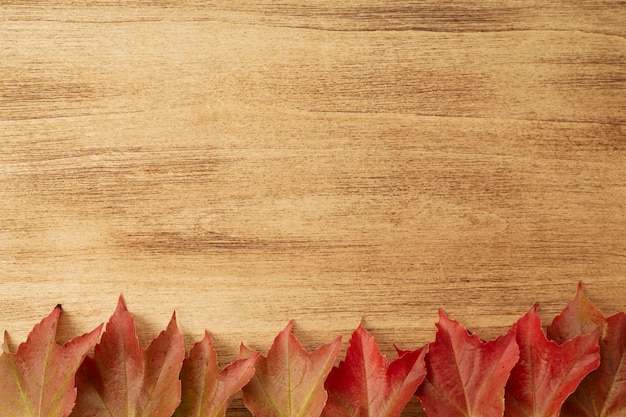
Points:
[[577, 369]]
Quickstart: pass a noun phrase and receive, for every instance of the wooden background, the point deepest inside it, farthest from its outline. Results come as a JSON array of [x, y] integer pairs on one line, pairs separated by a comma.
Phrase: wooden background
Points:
[[250, 162]]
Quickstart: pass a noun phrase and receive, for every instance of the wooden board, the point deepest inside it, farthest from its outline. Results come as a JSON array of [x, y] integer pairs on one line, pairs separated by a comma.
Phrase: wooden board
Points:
[[247, 163]]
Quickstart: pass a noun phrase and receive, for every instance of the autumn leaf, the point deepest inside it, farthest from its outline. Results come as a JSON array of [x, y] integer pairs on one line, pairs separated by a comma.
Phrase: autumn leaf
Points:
[[547, 373], [290, 381], [207, 392], [366, 385], [603, 392], [123, 380], [466, 376], [579, 317], [38, 380]]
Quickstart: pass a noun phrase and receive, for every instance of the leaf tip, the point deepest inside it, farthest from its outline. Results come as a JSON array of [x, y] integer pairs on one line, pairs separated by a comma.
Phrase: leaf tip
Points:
[[289, 326], [360, 328], [121, 302], [246, 352], [285, 334], [443, 318], [5, 342], [173, 321], [531, 316], [98, 330], [399, 350], [337, 341]]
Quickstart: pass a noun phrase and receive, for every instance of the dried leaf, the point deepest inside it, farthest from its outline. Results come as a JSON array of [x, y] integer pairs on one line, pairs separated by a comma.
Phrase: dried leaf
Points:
[[290, 381], [366, 385], [207, 392], [466, 376], [123, 380], [38, 380], [603, 392], [547, 373]]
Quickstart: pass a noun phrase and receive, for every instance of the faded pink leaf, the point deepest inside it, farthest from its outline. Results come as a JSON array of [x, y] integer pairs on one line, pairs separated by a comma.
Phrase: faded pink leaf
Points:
[[290, 381], [207, 391], [38, 380]]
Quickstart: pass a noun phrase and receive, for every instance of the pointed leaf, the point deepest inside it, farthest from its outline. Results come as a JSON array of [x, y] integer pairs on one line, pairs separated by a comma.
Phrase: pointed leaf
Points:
[[366, 385], [466, 376], [603, 392], [38, 380], [290, 381], [123, 380], [579, 317], [207, 392], [5, 343], [547, 373]]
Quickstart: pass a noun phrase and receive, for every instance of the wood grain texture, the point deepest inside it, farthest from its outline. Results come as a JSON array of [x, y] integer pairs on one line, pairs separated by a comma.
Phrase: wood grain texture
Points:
[[251, 162]]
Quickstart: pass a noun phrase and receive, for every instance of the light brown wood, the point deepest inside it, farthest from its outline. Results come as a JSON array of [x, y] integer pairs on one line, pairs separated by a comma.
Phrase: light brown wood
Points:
[[247, 163]]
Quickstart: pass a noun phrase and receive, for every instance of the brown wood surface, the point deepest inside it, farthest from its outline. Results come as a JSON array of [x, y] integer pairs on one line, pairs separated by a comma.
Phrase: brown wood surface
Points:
[[251, 162]]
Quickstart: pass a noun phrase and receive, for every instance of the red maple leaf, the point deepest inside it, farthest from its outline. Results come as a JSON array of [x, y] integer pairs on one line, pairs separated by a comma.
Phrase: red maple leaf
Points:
[[290, 381], [603, 392], [466, 376], [123, 380], [38, 380], [547, 373], [207, 391], [366, 385]]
